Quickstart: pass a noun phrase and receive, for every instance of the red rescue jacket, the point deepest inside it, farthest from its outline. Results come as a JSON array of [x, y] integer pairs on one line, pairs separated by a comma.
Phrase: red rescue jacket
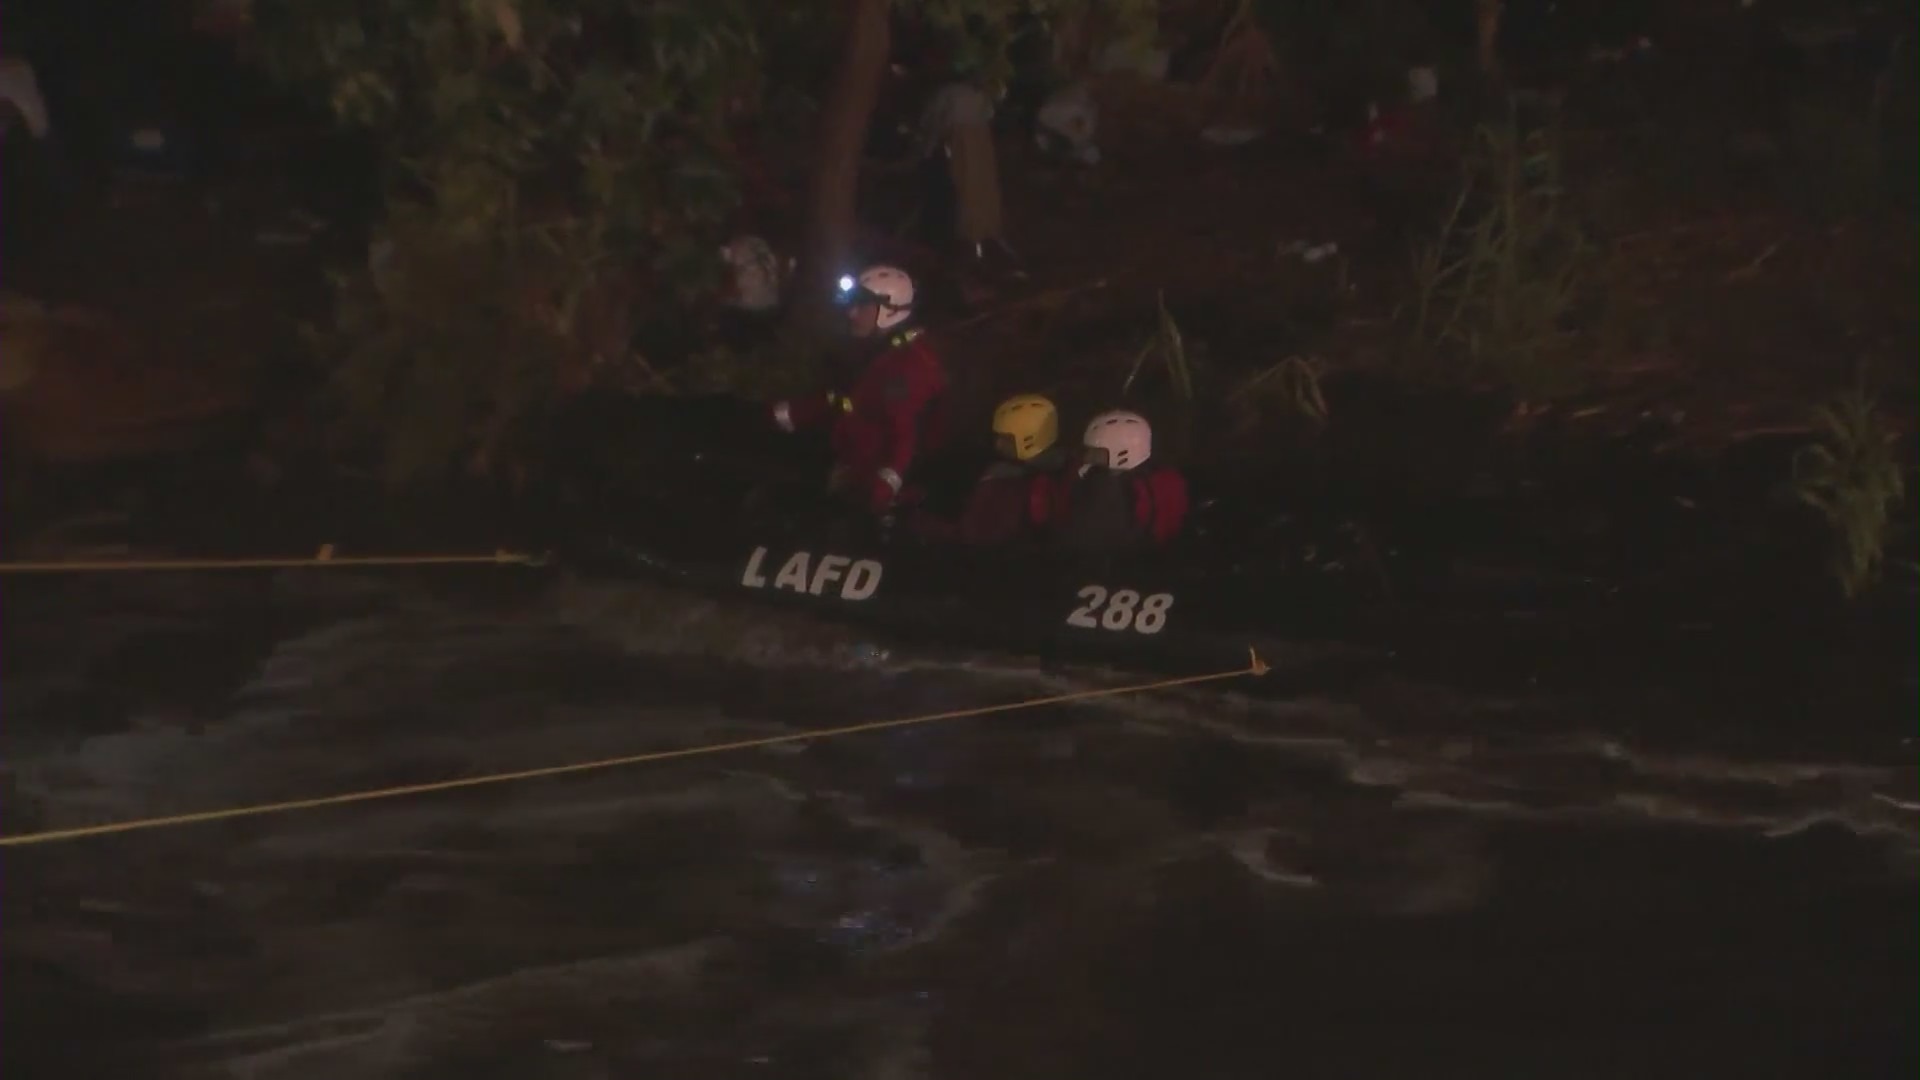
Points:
[[1105, 510], [893, 412]]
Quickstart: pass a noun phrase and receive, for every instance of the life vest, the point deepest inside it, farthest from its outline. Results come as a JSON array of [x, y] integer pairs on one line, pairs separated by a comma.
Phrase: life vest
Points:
[[1109, 511], [1099, 513], [1011, 500]]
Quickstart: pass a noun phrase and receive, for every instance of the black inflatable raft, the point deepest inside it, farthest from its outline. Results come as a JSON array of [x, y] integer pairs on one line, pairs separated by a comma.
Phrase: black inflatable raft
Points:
[[1158, 613], [710, 516]]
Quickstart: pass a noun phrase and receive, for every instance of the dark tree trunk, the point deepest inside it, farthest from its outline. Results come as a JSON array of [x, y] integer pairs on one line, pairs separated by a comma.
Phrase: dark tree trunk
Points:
[[1487, 38], [832, 207]]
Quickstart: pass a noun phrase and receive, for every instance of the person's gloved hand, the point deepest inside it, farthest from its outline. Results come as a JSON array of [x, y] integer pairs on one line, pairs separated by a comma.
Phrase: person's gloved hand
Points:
[[783, 416], [886, 488]]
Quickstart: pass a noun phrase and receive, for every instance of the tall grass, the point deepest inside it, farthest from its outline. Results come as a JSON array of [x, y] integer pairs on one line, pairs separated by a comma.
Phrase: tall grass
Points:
[[1851, 476], [1168, 346], [1495, 287], [1289, 391]]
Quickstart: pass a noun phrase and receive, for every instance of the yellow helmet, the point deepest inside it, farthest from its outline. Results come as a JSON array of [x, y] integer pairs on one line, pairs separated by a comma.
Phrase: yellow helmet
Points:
[[1025, 426]]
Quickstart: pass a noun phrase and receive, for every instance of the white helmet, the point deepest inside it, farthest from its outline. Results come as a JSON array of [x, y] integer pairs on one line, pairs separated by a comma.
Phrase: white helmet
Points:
[[888, 286], [1124, 440]]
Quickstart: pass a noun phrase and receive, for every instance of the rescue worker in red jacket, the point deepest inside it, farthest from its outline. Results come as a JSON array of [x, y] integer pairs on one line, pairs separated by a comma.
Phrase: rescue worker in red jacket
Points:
[[893, 411], [1119, 499], [1010, 500]]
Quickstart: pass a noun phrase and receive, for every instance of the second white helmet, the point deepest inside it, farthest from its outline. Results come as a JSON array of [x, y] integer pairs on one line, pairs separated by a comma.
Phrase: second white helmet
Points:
[[889, 287], [1119, 440]]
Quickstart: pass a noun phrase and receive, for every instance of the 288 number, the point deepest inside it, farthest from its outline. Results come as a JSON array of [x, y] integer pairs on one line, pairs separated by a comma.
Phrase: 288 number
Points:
[[1120, 610]]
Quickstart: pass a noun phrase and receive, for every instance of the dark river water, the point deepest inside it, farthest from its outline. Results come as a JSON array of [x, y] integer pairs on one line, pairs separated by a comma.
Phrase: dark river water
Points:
[[1218, 882]]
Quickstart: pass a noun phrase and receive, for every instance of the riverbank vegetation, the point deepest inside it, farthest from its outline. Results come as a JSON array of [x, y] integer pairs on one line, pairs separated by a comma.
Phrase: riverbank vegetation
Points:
[[1587, 236]]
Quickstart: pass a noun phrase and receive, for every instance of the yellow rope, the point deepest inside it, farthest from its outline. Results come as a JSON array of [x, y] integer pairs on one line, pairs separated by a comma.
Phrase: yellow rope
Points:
[[1255, 667], [324, 558]]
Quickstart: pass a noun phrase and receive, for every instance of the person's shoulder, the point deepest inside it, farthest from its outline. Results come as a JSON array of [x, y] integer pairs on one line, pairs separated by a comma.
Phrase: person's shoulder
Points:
[[923, 353]]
